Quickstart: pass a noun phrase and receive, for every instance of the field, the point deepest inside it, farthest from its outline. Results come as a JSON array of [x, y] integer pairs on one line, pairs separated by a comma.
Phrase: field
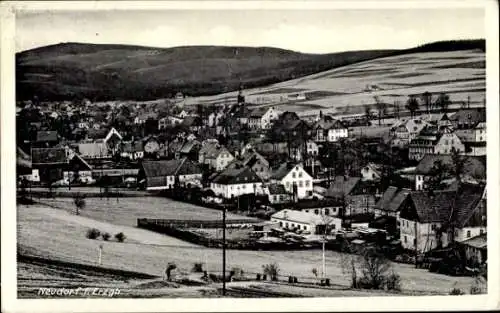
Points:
[[59, 234], [392, 79]]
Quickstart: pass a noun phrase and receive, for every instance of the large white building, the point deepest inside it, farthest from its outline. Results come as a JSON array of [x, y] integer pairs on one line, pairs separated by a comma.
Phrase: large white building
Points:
[[306, 221], [295, 179], [236, 181]]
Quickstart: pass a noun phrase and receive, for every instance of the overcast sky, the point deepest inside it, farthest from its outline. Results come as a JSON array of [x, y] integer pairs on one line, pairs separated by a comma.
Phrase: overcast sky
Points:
[[312, 31]]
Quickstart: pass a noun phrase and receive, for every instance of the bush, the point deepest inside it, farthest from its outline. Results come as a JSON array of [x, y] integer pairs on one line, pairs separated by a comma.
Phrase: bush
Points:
[[93, 233], [198, 267], [272, 270], [477, 286], [456, 292], [105, 236], [393, 282], [120, 237]]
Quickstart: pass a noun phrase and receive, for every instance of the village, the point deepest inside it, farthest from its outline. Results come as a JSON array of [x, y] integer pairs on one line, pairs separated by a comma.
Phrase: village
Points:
[[416, 190]]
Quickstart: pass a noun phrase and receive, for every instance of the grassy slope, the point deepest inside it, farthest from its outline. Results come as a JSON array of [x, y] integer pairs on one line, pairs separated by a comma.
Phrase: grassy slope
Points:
[[41, 232], [141, 73]]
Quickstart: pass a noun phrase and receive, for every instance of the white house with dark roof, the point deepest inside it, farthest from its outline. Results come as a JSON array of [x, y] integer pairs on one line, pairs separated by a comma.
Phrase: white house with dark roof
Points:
[[337, 131], [434, 140], [430, 220], [403, 132], [263, 118], [295, 179], [236, 181], [215, 156]]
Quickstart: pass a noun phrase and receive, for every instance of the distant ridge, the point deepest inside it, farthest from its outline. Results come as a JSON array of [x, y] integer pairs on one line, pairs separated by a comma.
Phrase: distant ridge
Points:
[[72, 70]]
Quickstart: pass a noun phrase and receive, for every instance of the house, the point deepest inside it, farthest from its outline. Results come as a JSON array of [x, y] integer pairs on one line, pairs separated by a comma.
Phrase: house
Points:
[[215, 118], [473, 171], [431, 220], [169, 121], [306, 222], [441, 120], [353, 194], [337, 131], [470, 127], [475, 249], [192, 123], [46, 138], [321, 127], [93, 149], [403, 132], [142, 118], [277, 193], [312, 148], [263, 118], [190, 149], [234, 182], [48, 164], [132, 150], [391, 202], [295, 179], [166, 174], [371, 172], [257, 163], [113, 139], [216, 156], [434, 140]]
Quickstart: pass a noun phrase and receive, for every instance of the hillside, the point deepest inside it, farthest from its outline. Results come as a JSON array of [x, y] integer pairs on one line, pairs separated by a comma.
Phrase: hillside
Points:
[[108, 72]]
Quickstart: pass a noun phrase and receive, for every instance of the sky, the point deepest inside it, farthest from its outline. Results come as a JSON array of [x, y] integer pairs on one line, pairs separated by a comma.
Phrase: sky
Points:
[[309, 31]]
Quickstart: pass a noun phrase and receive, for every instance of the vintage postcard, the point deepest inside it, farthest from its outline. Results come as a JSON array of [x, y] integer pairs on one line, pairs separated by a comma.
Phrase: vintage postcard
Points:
[[203, 156]]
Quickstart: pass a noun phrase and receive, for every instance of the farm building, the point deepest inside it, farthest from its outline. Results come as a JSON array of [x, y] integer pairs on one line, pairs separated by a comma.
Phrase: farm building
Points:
[[48, 164], [391, 202], [161, 175], [216, 156], [430, 220], [353, 192], [277, 194], [476, 250], [308, 222]]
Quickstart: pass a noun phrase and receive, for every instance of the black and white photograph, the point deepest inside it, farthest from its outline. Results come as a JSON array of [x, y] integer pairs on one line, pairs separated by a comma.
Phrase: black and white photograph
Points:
[[200, 151]]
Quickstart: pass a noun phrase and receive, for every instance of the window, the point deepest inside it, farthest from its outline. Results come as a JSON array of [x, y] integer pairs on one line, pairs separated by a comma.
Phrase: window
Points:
[[414, 241], [301, 183], [327, 212], [316, 211], [293, 175], [286, 225], [300, 174], [468, 234], [433, 226], [481, 232], [281, 224], [333, 226], [307, 211], [304, 227], [275, 198], [406, 239], [307, 183], [334, 210]]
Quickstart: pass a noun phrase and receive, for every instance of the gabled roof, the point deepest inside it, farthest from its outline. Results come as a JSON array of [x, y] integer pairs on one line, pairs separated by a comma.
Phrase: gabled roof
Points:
[[392, 199], [474, 166], [276, 189], [237, 175], [46, 136], [469, 116], [342, 186], [282, 171], [189, 146], [301, 217], [48, 156], [212, 150], [164, 168], [438, 206], [93, 149], [258, 112], [479, 242]]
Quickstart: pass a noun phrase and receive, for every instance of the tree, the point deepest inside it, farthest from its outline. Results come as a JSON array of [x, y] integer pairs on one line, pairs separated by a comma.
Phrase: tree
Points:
[[443, 101], [368, 113], [375, 268], [381, 108], [412, 105], [438, 172], [427, 101], [397, 109], [79, 201], [272, 270]]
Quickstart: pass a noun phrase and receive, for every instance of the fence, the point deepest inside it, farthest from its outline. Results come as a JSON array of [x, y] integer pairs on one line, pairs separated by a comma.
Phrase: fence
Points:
[[180, 229]]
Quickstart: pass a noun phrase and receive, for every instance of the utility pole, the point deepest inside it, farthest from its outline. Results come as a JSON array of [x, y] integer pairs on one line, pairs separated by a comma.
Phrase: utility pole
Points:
[[224, 251]]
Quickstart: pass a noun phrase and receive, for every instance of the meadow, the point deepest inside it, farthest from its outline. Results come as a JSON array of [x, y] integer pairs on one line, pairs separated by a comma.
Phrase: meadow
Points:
[[60, 234]]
